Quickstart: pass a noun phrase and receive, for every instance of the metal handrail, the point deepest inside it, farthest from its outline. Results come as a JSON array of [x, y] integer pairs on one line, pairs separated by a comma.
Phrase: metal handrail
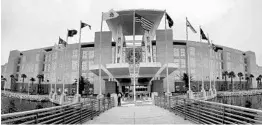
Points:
[[66, 114], [206, 112]]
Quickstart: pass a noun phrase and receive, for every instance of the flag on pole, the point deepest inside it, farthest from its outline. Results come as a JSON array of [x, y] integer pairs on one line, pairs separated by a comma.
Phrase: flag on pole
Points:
[[170, 21], [145, 23], [61, 41], [190, 26], [71, 33], [203, 36], [110, 15], [84, 25]]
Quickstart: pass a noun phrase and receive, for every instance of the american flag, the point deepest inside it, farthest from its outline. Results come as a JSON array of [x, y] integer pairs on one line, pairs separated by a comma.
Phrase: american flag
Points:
[[145, 23]]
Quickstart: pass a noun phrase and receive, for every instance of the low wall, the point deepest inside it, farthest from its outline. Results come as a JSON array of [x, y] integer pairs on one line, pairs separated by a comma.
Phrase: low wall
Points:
[[239, 93], [25, 96]]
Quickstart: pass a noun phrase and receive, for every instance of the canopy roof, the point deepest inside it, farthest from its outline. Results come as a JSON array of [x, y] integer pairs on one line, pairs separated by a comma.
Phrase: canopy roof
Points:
[[125, 20]]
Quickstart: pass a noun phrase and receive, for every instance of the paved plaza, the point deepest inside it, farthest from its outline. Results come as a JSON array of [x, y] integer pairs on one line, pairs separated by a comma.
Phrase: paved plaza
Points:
[[130, 114]]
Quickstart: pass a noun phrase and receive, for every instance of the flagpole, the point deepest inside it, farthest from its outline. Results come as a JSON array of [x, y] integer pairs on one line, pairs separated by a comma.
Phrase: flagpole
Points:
[[64, 62], [79, 60], [134, 77], [210, 65], [166, 56], [100, 61], [188, 59], [203, 85]]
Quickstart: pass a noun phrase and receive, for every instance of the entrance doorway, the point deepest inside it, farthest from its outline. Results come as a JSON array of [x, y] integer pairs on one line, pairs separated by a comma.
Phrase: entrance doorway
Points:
[[141, 92]]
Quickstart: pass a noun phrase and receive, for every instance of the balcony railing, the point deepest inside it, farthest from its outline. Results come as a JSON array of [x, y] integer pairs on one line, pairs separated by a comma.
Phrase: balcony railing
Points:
[[205, 112], [76, 113]]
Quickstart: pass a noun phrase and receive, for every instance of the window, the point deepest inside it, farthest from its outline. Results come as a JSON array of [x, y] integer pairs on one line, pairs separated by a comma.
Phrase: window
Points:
[[228, 56], [36, 68], [54, 56], [192, 62], [37, 57], [17, 68], [91, 62], [53, 66], [222, 65], [228, 66], [75, 53], [74, 65], [176, 52], [91, 54], [176, 62], [192, 51], [182, 63], [43, 68], [182, 52], [19, 60], [85, 54], [84, 65]]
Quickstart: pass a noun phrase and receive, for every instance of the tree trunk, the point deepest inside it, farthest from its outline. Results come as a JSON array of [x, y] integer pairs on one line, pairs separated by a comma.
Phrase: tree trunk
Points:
[[232, 84]]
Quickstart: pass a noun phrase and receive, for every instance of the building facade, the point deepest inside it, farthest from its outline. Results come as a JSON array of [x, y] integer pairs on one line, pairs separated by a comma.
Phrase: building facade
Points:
[[161, 61]]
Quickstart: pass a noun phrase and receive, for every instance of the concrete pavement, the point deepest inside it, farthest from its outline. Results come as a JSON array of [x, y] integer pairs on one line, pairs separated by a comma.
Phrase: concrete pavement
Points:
[[130, 114]]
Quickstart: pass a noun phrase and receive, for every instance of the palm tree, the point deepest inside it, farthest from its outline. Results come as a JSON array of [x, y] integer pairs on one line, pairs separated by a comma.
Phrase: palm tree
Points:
[[32, 80], [240, 75], [24, 76], [258, 79], [40, 78], [225, 74], [232, 75], [185, 79], [12, 79], [251, 76], [260, 76], [247, 78]]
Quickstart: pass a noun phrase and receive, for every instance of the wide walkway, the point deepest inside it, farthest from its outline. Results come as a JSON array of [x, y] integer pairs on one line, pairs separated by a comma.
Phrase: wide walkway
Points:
[[148, 114]]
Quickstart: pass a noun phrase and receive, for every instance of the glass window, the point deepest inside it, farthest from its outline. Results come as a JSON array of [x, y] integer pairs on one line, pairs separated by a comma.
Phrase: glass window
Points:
[[182, 52], [85, 54], [192, 62], [192, 51], [84, 65], [75, 51], [228, 56], [36, 68], [91, 54], [53, 66], [74, 64], [91, 62], [228, 66], [37, 57], [176, 62], [182, 63], [176, 52]]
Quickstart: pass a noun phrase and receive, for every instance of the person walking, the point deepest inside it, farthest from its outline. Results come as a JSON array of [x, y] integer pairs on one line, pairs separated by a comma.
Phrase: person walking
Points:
[[119, 98]]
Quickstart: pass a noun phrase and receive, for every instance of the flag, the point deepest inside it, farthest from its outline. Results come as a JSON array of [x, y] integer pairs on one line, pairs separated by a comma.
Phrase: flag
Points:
[[71, 33], [145, 24], [190, 26], [170, 21], [61, 41], [203, 36], [110, 15], [84, 25]]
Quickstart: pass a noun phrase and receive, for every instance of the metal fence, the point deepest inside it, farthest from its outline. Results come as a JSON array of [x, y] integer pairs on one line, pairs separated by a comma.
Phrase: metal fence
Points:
[[205, 112], [76, 113]]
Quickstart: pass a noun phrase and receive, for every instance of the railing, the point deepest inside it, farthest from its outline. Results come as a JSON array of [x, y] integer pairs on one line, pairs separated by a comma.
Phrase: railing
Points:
[[66, 114], [205, 112]]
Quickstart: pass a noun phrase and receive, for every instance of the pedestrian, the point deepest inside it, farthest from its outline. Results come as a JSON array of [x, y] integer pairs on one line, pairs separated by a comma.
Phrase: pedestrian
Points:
[[108, 95], [119, 98]]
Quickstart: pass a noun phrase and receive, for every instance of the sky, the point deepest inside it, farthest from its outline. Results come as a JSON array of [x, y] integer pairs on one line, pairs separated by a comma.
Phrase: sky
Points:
[[30, 24]]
